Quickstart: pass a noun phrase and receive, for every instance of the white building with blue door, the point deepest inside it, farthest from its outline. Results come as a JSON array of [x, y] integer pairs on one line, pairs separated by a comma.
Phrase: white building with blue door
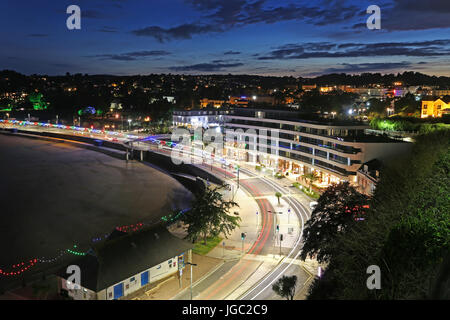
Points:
[[126, 262]]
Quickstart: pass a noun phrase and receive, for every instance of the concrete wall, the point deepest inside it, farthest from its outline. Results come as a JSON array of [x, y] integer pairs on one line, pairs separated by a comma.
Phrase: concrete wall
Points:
[[384, 151], [165, 162], [78, 294], [133, 283]]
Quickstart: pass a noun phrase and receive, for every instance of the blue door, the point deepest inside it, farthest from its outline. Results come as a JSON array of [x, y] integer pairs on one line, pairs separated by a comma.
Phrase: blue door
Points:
[[144, 278], [118, 291]]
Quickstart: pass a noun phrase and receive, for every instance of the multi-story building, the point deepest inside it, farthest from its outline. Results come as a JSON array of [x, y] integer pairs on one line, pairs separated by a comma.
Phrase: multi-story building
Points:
[[204, 103], [333, 150], [440, 92], [435, 108], [205, 118], [239, 101], [368, 176], [282, 142], [309, 87]]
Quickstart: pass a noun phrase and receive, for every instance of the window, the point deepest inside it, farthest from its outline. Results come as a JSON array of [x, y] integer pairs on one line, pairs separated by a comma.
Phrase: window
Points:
[[425, 106], [132, 279]]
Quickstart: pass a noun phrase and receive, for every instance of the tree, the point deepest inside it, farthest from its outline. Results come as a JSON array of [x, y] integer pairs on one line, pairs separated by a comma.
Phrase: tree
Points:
[[209, 216], [338, 208], [312, 177], [278, 195], [285, 287], [406, 231]]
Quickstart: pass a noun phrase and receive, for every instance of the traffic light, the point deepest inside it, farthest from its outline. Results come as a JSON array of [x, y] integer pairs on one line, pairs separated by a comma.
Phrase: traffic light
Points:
[[281, 237], [278, 228], [242, 235]]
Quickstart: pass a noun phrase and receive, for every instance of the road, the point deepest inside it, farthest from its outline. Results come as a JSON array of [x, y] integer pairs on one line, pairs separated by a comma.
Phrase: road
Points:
[[229, 277], [289, 266]]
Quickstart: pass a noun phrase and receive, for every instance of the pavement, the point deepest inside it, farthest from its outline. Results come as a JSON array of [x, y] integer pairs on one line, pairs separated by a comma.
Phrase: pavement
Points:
[[235, 270], [251, 275], [167, 288]]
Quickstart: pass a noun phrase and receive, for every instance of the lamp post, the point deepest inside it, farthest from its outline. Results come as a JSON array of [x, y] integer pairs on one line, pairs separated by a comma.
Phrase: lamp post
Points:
[[191, 264], [129, 124]]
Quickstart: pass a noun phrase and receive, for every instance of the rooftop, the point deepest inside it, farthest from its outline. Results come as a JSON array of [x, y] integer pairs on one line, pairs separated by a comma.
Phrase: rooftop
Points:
[[124, 255]]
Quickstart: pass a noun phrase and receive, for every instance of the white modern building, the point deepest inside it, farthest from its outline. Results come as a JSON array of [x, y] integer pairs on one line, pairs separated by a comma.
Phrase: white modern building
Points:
[[333, 150], [280, 141], [205, 118]]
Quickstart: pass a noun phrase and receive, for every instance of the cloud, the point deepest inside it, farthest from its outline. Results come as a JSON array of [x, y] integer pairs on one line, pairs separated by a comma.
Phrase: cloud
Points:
[[184, 31], [352, 50], [231, 52], [207, 67], [221, 16], [131, 56], [108, 30], [402, 15], [367, 67]]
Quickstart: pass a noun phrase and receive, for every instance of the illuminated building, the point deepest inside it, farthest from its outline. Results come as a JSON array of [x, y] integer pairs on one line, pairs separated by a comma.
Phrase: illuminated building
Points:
[[333, 150], [435, 108], [368, 176], [125, 263], [204, 103]]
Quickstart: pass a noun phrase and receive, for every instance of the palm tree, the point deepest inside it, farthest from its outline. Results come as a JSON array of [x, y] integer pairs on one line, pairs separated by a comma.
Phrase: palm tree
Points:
[[278, 195], [285, 287], [312, 177]]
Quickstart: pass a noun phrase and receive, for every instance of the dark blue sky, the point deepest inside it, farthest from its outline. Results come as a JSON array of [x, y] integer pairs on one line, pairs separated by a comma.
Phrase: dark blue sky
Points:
[[265, 37]]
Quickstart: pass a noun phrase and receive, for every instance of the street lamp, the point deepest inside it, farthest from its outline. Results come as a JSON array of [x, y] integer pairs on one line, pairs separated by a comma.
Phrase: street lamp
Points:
[[191, 264], [129, 124]]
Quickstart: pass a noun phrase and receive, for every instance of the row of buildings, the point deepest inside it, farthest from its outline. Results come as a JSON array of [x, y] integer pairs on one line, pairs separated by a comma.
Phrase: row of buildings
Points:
[[282, 142]]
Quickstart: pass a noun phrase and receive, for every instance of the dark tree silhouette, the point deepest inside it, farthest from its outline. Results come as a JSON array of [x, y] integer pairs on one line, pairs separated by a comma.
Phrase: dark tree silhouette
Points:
[[285, 287]]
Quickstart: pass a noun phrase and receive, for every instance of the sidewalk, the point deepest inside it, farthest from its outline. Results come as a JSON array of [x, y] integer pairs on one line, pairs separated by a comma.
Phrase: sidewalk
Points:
[[169, 287], [223, 257]]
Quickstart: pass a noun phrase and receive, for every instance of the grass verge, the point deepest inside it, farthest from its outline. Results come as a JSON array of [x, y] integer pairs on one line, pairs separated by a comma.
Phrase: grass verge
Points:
[[202, 249]]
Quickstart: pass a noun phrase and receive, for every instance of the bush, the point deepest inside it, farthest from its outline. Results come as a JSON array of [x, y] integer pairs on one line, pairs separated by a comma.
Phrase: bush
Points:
[[279, 175]]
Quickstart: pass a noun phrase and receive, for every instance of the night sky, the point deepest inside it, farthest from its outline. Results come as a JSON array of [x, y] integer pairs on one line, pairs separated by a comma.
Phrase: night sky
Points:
[[265, 37]]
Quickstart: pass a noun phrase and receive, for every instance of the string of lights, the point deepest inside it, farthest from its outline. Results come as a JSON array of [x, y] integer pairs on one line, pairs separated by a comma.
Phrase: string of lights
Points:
[[64, 127], [14, 271]]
